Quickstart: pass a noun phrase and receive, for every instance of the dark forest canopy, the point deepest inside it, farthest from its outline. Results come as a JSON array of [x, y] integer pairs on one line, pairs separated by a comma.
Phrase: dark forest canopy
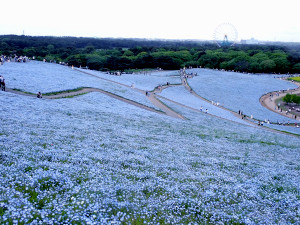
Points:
[[122, 54], [98, 43]]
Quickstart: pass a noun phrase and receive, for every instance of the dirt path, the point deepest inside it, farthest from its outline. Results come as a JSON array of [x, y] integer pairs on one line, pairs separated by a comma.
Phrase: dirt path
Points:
[[19, 92], [163, 107], [186, 85], [112, 81], [84, 91], [251, 124], [269, 102], [150, 95], [264, 100], [165, 110]]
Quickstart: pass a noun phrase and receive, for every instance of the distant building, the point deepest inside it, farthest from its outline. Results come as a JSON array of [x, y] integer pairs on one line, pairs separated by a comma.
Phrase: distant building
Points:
[[251, 41]]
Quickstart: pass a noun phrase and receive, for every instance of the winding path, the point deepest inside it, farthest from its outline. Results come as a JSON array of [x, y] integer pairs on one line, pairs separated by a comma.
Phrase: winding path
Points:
[[263, 100], [152, 97], [186, 85], [251, 124], [165, 110], [84, 91], [270, 102]]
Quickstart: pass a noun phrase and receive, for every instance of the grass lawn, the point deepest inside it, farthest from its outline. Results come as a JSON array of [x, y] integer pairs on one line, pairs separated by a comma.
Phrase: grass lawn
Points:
[[297, 79]]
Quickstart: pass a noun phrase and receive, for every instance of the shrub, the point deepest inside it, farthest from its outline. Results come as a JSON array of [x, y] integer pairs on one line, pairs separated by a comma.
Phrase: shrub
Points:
[[291, 99]]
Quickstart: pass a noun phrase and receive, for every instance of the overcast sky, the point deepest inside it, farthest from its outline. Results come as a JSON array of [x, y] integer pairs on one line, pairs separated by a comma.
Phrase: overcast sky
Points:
[[169, 19]]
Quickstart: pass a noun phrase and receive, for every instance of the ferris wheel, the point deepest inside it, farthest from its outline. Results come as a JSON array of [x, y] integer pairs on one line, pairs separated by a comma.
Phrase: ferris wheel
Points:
[[225, 35]]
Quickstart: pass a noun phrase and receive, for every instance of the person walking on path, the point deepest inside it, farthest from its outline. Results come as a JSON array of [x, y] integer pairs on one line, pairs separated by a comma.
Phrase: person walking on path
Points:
[[3, 85], [1, 80]]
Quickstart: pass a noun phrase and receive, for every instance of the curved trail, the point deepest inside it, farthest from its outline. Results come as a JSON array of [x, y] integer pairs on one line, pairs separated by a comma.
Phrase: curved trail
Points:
[[186, 85], [247, 118], [165, 109], [84, 91], [270, 102], [168, 111], [112, 81], [251, 124], [152, 97]]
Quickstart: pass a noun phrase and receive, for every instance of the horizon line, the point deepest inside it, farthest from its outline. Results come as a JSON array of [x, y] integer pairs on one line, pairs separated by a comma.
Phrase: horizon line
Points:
[[154, 39]]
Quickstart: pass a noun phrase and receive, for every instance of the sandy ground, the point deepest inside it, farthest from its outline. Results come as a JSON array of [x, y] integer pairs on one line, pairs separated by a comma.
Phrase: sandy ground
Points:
[[270, 102]]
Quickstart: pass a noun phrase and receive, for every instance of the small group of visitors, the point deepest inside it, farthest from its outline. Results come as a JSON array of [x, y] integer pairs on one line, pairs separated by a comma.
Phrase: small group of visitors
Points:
[[39, 95], [201, 110], [260, 123]]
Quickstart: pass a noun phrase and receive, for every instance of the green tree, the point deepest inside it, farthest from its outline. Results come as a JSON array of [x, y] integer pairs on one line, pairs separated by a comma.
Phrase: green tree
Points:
[[50, 48], [30, 52], [124, 63], [77, 60], [296, 68], [267, 66], [183, 55], [210, 60], [167, 60], [89, 49], [287, 98], [256, 60], [143, 60], [281, 61], [95, 62], [191, 63], [295, 99], [128, 53]]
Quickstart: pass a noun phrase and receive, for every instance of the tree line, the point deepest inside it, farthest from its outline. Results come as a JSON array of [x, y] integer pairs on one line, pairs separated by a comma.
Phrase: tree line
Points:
[[123, 54], [288, 98]]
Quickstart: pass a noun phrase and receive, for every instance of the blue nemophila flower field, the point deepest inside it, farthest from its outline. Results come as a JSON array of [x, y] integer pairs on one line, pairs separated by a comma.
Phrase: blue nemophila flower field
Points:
[[239, 91], [181, 95], [45, 77], [145, 81], [93, 159]]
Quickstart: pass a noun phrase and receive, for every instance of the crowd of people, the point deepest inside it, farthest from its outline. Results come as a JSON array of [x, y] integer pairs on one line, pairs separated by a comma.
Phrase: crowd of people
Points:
[[4, 58], [15, 58]]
